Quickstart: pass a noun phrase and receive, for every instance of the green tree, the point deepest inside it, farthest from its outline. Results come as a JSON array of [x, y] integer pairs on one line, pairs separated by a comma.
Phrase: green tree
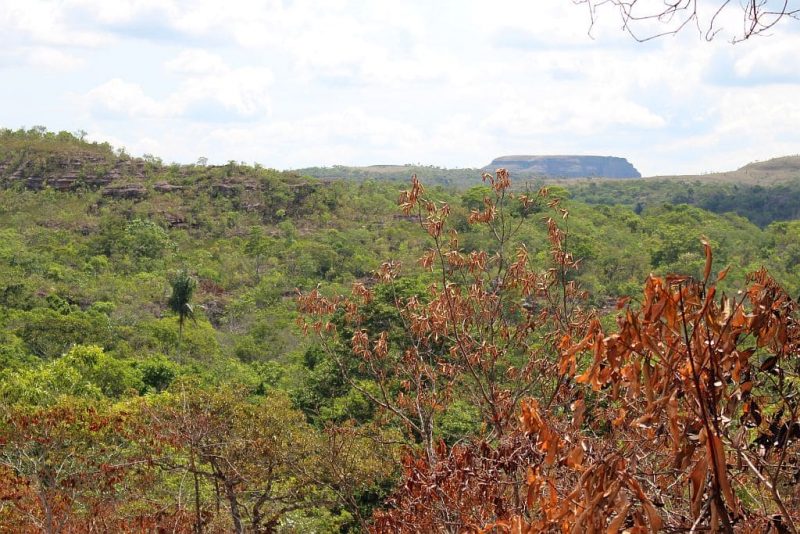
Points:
[[262, 458], [145, 239], [49, 333], [258, 246], [474, 198], [180, 302], [85, 371]]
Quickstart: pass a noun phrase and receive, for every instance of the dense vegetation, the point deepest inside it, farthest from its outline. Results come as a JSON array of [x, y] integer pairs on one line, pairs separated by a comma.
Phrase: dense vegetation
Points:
[[454, 178], [155, 372], [760, 204], [762, 192]]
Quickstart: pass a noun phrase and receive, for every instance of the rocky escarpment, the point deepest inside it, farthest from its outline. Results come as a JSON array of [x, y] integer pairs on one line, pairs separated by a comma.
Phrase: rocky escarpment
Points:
[[72, 171], [272, 194], [565, 166], [114, 177]]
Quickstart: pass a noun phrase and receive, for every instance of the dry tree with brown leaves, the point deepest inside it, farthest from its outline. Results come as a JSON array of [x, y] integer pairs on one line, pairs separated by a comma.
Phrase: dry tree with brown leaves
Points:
[[487, 330], [684, 419]]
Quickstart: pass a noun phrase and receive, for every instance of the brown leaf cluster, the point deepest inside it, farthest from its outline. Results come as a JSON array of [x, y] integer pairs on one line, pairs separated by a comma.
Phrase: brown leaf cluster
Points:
[[684, 417]]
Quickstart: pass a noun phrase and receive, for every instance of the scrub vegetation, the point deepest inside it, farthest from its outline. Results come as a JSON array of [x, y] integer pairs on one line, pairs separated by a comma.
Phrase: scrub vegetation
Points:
[[197, 348]]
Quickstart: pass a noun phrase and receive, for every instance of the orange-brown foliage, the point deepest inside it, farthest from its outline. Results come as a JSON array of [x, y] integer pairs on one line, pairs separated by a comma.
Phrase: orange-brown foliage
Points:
[[684, 418]]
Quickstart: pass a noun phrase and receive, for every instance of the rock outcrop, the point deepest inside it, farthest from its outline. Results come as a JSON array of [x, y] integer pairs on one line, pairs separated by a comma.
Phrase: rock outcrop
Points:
[[64, 172], [165, 187], [129, 191], [565, 167]]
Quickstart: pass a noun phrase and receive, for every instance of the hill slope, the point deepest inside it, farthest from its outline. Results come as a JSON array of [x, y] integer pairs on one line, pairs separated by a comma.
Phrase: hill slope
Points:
[[85, 325], [772, 171]]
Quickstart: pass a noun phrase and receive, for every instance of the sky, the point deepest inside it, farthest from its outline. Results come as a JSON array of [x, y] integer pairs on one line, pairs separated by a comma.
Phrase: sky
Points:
[[452, 83]]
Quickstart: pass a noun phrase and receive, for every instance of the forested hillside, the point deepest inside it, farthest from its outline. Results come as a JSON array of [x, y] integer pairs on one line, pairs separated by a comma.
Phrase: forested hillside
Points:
[[762, 192], [173, 354], [456, 178], [761, 204]]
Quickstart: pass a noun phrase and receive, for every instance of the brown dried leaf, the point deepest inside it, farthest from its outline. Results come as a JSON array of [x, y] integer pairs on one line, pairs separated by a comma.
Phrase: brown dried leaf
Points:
[[722, 472], [769, 363], [575, 458], [698, 479], [578, 410], [619, 521], [707, 269], [656, 523]]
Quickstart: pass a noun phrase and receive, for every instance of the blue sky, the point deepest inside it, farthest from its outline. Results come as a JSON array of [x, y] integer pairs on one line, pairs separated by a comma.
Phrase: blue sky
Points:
[[296, 83]]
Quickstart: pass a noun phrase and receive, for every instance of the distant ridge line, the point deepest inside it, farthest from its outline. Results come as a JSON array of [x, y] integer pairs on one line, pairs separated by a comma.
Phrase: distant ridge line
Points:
[[566, 166]]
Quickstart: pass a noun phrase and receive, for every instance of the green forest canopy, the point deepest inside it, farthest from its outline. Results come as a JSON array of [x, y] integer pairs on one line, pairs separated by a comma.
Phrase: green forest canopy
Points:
[[85, 284]]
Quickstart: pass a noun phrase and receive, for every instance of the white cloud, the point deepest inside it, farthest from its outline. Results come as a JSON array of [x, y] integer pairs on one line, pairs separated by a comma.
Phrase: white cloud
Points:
[[242, 91], [118, 97], [209, 89], [773, 60], [39, 22], [123, 11], [326, 139], [196, 62], [53, 59], [301, 82], [768, 115], [37, 34]]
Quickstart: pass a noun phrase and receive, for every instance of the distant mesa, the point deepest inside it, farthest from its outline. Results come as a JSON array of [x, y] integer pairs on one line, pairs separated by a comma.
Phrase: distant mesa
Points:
[[565, 167]]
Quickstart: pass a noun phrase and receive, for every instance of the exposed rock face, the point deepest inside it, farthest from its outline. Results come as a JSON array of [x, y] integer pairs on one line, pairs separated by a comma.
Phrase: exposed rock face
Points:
[[565, 166], [131, 191], [176, 220], [68, 172], [127, 178], [164, 187]]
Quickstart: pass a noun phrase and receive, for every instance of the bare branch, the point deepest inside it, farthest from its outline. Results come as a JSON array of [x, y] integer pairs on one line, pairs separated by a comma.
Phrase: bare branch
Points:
[[758, 16]]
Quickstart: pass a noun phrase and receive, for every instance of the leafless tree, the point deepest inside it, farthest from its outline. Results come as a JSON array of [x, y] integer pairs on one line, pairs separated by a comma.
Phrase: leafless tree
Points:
[[673, 16]]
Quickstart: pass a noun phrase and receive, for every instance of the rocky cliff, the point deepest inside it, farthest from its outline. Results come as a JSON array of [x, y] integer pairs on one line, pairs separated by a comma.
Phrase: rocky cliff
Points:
[[118, 177], [68, 165], [565, 166]]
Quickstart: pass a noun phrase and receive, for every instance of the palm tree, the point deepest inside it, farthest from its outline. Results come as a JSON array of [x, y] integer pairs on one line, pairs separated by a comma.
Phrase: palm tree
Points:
[[183, 287]]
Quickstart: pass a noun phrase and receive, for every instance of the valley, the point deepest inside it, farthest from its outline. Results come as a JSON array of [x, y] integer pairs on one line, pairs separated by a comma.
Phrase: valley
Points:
[[94, 241]]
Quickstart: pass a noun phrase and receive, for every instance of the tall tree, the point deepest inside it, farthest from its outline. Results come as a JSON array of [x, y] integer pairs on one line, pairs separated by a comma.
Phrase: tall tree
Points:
[[180, 301], [488, 330]]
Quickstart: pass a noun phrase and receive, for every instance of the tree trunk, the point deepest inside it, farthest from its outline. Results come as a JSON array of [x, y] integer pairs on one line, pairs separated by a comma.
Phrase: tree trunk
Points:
[[180, 342], [49, 525], [216, 493], [198, 527], [233, 502]]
